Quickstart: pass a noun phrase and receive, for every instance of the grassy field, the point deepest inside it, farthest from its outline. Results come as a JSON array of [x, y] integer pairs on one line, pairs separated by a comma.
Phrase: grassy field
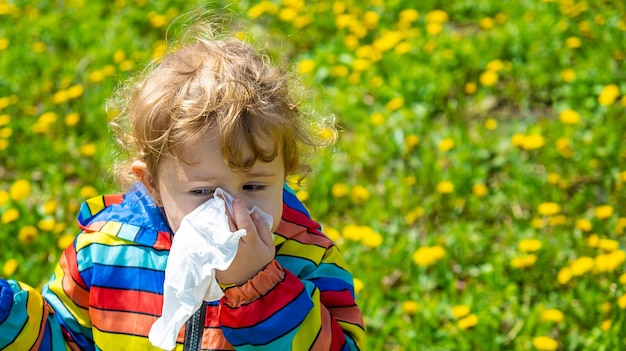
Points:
[[477, 186]]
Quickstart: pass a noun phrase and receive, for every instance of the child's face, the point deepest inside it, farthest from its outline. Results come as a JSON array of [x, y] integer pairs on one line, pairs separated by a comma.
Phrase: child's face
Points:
[[183, 186]]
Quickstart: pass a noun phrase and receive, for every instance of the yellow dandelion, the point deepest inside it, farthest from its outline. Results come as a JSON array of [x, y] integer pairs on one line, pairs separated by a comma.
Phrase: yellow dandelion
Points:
[[10, 215], [87, 192], [428, 255], [549, 208], [488, 78], [4, 42], [332, 234], [606, 325], [529, 245], [414, 215], [27, 235], [564, 276], [460, 311], [552, 315], [620, 224], [584, 224], [75, 91], [352, 232], [593, 240], [377, 119], [370, 237], [582, 265], [518, 139], [491, 124], [446, 144], [339, 190], [65, 241], [359, 194], [46, 224], [395, 104], [532, 142], [437, 16], [96, 76], [545, 343], [569, 116], [622, 279], [9, 267], [573, 42], [434, 28], [87, 150], [4, 119], [608, 95], [358, 285], [470, 88], [370, 19], [20, 190], [306, 66], [410, 307], [411, 141], [486, 23], [445, 187], [38, 47], [4, 197], [603, 212], [608, 244], [72, 119], [468, 322], [621, 302], [568, 75], [524, 261], [479, 189]]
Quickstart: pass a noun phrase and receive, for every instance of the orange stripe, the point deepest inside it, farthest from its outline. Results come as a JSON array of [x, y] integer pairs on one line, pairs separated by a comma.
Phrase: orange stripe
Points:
[[122, 322], [324, 338], [213, 339], [79, 295], [299, 233]]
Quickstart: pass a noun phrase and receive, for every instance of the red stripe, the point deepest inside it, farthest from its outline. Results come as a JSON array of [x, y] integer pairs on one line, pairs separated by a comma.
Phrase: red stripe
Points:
[[114, 199], [126, 300], [163, 241], [294, 216], [301, 235], [264, 307], [72, 266], [341, 298], [339, 338]]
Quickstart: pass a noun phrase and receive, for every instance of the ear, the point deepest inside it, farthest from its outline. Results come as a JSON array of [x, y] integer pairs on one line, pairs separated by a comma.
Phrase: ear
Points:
[[140, 169]]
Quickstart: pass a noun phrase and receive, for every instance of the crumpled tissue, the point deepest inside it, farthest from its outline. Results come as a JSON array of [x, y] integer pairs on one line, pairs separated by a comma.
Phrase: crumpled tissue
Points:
[[202, 244]]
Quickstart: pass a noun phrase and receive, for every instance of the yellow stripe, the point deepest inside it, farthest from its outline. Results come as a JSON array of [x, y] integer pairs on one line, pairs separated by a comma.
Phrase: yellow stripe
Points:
[[100, 238], [113, 341], [357, 333], [333, 255], [81, 315], [295, 248], [96, 204], [308, 330], [111, 228], [279, 239], [30, 333]]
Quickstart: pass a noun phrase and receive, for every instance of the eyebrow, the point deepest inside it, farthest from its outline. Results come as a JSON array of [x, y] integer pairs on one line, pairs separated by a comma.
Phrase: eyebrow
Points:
[[255, 174]]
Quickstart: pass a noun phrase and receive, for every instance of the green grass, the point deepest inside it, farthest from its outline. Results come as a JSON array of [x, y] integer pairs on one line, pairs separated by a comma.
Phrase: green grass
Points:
[[398, 86]]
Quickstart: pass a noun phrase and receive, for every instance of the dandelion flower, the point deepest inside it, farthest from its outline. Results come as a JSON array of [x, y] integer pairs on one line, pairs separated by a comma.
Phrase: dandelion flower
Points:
[[65, 240], [414, 215], [608, 244], [606, 325], [358, 285], [370, 237], [27, 235], [460, 311], [87, 192], [621, 302], [552, 315], [9, 267], [352, 232], [446, 144], [529, 245], [332, 234], [302, 195], [603, 212], [584, 224], [72, 119], [20, 190], [445, 187], [524, 261], [437, 16], [411, 142], [87, 150], [306, 66], [377, 119], [545, 343], [479, 189], [532, 142], [359, 194], [468, 322], [4, 197], [582, 265], [395, 104], [573, 42], [75, 91], [569, 116], [568, 75], [491, 124], [470, 88], [608, 95], [339, 190], [428, 255], [564, 276], [549, 208], [47, 224], [488, 78], [410, 307], [10, 215]]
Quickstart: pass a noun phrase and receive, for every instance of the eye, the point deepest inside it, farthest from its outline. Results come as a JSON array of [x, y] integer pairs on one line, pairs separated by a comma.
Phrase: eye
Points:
[[202, 192], [254, 187]]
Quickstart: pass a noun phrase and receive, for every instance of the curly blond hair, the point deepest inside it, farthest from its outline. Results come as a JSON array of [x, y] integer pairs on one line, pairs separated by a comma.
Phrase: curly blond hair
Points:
[[219, 84]]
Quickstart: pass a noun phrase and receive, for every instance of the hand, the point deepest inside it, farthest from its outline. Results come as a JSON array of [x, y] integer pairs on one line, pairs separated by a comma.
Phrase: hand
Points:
[[256, 248]]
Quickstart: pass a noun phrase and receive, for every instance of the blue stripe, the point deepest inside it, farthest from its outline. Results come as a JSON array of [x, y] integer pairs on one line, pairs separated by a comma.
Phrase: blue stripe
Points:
[[129, 278], [83, 336], [299, 266], [121, 255], [332, 284], [15, 321], [290, 199], [286, 320], [331, 270], [6, 300], [283, 343]]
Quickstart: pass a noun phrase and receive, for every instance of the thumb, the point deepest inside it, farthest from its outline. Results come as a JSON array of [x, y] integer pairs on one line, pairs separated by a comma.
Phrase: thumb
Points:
[[263, 228]]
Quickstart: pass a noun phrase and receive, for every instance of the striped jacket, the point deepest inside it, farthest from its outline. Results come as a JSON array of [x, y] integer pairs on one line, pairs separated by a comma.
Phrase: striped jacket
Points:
[[107, 289]]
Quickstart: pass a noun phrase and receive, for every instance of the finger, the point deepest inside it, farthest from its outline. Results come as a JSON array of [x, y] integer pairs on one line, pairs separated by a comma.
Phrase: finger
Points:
[[263, 229], [243, 220]]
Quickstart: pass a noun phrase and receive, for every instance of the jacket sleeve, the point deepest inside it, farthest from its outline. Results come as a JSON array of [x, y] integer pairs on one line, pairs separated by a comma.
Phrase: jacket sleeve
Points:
[[56, 319], [309, 306]]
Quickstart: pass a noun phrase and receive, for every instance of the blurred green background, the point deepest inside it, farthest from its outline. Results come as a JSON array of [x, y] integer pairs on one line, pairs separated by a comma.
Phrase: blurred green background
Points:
[[476, 189]]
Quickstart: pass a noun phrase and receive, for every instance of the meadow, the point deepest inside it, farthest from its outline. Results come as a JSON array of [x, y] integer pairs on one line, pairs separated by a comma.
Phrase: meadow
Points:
[[476, 188]]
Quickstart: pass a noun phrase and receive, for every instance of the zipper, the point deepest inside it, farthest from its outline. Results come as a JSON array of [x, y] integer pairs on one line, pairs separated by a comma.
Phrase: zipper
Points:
[[194, 329]]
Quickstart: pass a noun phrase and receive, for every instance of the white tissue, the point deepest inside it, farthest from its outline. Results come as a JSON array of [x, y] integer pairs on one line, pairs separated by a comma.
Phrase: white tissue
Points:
[[202, 244]]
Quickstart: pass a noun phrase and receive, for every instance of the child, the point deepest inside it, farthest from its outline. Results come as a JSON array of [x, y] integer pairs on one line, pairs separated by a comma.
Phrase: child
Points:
[[212, 114]]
